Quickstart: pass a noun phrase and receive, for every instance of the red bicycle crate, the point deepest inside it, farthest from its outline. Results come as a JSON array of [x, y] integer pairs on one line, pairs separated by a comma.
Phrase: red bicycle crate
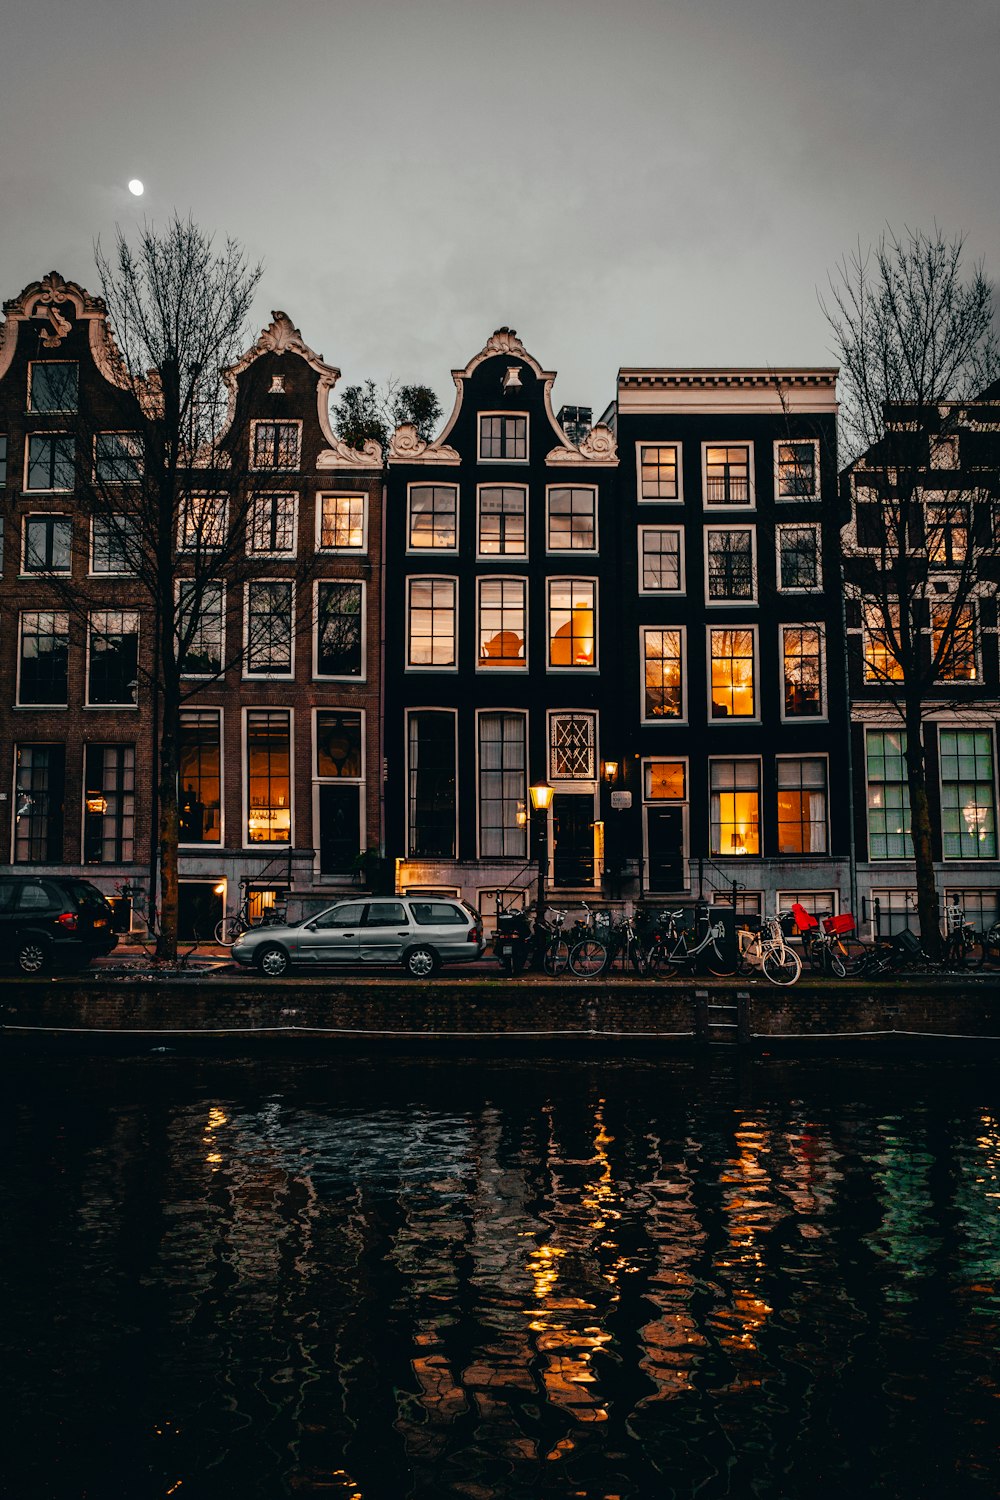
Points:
[[840, 925]]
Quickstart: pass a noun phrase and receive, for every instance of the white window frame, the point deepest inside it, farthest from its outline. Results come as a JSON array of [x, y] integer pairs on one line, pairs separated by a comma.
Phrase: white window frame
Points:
[[249, 676], [551, 551], [803, 755], [823, 716], [111, 708], [572, 783], [677, 760], [973, 727], [522, 713], [212, 708], [274, 708], [317, 781], [426, 484], [184, 518], [681, 589], [642, 499], [791, 588], [714, 507], [880, 861], [977, 640], [570, 578], [411, 579], [39, 707], [525, 416], [499, 557], [295, 422], [319, 676], [26, 487], [731, 603], [331, 494], [268, 551], [48, 515], [755, 717], [501, 578], [135, 451], [785, 899], [663, 723], [91, 572], [784, 442], [759, 761], [206, 676], [434, 708], [51, 411]]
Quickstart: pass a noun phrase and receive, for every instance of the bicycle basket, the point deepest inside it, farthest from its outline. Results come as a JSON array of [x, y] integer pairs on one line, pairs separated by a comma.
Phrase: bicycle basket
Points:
[[804, 920], [908, 942], [839, 925]]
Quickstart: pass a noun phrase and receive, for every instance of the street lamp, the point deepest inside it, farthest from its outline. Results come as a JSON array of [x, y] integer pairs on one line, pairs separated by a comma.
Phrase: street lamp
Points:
[[541, 800]]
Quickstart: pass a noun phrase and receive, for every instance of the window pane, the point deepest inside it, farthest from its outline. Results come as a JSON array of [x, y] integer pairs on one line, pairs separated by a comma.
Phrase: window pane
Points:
[[118, 457], [115, 544], [276, 445], [730, 564], [968, 812], [735, 807], [431, 751], [201, 629], [342, 521], [802, 662], [571, 623], [663, 674], [269, 818], [503, 437], [502, 518], [54, 386], [338, 744], [501, 622], [658, 473], [661, 559], [432, 622], [44, 657], [109, 804], [732, 674], [272, 523], [433, 516], [665, 781], [203, 523], [269, 626], [47, 543], [503, 788], [340, 630], [802, 806], [727, 475], [888, 795], [113, 666], [571, 751], [199, 778], [572, 519], [798, 551], [796, 470], [51, 461], [39, 791]]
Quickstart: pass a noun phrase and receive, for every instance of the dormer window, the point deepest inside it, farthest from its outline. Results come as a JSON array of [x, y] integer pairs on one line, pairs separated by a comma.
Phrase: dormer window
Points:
[[503, 437], [275, 445], [53, 385]]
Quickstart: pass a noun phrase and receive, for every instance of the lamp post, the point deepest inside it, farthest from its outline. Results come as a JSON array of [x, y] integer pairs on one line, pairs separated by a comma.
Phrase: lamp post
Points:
[[541, 800]]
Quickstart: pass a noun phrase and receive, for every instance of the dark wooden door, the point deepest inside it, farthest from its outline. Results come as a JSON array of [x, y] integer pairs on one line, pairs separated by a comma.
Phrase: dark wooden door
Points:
[[573, 839], [665, 829], [339, 828]]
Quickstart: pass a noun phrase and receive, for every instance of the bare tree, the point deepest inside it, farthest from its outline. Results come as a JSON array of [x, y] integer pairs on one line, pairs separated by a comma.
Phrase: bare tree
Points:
[[914, 333]]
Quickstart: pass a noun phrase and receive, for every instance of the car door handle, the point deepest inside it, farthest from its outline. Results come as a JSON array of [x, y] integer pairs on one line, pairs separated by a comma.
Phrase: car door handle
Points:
[[403, 932]]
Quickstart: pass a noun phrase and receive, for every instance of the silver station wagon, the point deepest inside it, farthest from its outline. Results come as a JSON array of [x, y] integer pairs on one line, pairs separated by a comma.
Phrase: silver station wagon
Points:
[[420, 933]]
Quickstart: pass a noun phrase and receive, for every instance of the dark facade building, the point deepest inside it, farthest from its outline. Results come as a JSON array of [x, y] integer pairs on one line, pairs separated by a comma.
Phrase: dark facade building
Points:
[[930, 488], [503, 641], [733, 735], [280, 758]]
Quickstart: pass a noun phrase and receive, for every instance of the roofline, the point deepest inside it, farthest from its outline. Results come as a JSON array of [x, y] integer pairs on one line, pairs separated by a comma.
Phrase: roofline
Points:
[[726, 375]]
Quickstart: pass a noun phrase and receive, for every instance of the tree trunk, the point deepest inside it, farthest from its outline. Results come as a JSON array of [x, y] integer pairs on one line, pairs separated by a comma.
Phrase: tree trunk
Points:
[[920, 832], [166, 941]]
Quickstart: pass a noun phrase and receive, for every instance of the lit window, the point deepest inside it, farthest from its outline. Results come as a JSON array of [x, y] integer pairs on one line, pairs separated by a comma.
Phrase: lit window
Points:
[[338, 745], [666, 781], [802, 671], [47, 544], [271, 526], [268, 777], [659, 472], [114, 544], [888, 795], [342, 522], [200, 628], [735, 807], [39, 792], [340, 634], [431, 622], [802, 806], [661, 550], [276, 445], [502, 520], [433, 517], [503, 786], [727, 475], [798, 557], [953, 641], [881, 641], [51, 461], [968, 813], [796, 471], [502, 622], [53, 386], [571, 622], [731, 563], [269, 627], [432, 778], [503, 437], [109, 804], [946, 529], [199, 778], [733, 694], [113, 658], [663, 674], [572, 519], [118, 458], [571, 747], [203, 522], [44, 657]]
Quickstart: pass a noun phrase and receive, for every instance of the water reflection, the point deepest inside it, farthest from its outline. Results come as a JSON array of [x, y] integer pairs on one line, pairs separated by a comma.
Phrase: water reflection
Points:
[[389, 1279]]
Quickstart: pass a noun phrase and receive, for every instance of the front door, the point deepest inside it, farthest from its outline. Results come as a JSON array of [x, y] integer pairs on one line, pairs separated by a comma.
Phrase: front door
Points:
[[572, 839], [665, 832], [339, 828], [199, 908]]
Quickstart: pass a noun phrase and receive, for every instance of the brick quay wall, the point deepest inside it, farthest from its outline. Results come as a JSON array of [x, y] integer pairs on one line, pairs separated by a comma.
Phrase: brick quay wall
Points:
[[525, 1013]]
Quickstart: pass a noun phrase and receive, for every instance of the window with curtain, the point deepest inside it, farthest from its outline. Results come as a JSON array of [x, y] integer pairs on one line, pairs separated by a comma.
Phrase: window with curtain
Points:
[[503, 786], [802, 822]]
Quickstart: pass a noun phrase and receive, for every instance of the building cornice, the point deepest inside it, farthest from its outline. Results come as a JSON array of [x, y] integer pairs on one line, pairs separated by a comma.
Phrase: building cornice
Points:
[[763, 390]]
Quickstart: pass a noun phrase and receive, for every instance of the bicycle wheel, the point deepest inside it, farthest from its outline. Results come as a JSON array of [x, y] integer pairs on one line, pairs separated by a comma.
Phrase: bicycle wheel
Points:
[[716, 963], [781, 966], [852, 954], [556, 957], [588, 958], [228, 930]]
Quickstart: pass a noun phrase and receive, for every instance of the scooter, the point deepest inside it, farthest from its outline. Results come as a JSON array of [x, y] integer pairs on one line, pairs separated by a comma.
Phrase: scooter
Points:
[[512, 943]]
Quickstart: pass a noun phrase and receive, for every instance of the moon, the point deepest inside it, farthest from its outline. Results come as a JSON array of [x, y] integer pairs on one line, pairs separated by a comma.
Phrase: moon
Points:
[[136, 188]]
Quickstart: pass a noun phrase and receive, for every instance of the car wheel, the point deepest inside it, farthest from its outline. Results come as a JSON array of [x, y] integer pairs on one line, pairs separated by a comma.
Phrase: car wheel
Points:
[[420, 963], [272, 961], [34, 956]]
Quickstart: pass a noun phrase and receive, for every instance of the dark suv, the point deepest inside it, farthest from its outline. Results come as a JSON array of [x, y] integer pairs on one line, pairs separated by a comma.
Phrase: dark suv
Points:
[[52, 921]]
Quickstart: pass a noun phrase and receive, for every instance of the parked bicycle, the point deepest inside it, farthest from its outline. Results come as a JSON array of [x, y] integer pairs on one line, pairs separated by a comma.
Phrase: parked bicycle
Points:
[[671, 951], [233, 924], [588, 952], [965, 948], [830, 946], [764, 948]]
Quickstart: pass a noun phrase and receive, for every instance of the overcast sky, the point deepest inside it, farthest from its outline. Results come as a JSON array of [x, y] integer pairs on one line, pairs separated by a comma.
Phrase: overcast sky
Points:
[[625, 182]]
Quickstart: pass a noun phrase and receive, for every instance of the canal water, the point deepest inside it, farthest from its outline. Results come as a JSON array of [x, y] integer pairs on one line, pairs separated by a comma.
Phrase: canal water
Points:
[[376, 1278]]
